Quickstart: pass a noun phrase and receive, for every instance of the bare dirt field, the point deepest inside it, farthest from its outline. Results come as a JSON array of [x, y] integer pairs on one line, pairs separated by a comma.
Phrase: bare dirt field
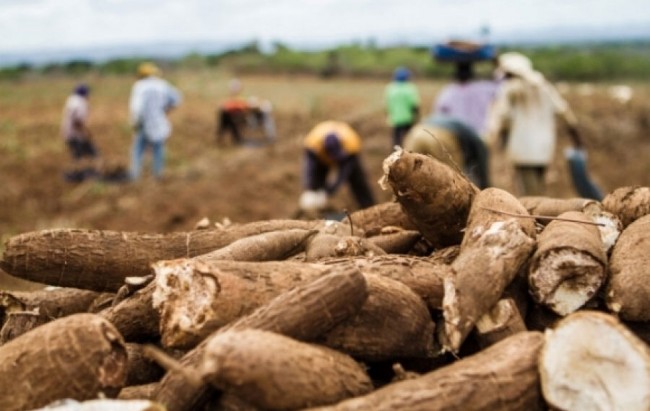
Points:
[[249, 183]]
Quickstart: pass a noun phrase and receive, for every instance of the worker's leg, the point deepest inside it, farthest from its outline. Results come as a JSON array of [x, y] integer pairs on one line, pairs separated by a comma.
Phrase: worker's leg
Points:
[[359, 185], [314, 172], [158, 149], [398, 134], [531, 180], [139, 145]]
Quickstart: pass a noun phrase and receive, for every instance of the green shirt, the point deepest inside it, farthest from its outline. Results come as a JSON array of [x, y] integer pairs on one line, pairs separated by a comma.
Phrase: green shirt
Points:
[[402, 99]]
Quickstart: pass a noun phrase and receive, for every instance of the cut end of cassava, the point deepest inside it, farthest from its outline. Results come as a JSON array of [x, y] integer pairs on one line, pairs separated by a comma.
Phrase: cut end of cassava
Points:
[[386, 165], [592, 362], [565, 280], [610, 227], [182, 280]]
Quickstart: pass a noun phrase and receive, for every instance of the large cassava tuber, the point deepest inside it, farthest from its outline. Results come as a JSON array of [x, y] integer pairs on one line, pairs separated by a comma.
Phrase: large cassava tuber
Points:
[[502, 377], [274, 372], [79, 356], [373, 219], [590, 362], [569, 265], [628, 290], [434, 196], [304, 313], [195, 297], [495, 248], [100, 260], [628, 203]]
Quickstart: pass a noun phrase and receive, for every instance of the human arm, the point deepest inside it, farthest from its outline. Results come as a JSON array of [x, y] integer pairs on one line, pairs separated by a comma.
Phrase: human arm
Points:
[[345, 167]]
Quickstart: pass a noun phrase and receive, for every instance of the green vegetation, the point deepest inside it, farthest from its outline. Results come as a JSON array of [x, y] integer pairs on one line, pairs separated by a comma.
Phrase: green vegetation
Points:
[[586, 62]]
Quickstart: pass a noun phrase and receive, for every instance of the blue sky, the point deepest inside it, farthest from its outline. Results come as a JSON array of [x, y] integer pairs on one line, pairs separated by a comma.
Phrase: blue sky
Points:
[[59, 24]]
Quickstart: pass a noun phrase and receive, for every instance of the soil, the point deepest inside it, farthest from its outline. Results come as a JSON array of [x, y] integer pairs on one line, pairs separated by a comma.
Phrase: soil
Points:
[[251, 182]]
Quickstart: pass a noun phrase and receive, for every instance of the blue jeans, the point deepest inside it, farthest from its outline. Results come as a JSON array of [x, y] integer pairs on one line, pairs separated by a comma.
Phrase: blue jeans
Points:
[[140, 144]]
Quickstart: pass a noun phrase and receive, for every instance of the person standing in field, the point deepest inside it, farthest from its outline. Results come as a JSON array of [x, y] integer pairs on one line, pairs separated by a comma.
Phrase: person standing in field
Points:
[[152, 98], [77, 136], [332, 158], [402, 104], [522, 121]]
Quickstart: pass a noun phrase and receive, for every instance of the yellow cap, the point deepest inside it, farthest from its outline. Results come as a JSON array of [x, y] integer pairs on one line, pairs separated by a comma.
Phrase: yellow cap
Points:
[[147, 69]]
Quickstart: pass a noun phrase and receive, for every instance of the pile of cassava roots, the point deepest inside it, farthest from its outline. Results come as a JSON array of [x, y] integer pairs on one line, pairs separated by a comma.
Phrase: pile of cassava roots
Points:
[[447, 298]]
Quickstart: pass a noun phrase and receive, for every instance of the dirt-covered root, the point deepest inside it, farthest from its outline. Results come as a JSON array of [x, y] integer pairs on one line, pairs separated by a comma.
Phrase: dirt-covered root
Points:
[[495, 248], [590, 362], [373, 219], [195, 297], [100, 259], [419, 274], [304, 313], [78, 357], [552, 207], [502, 321], [569, 265], [628, 203], [394, 322], [135, 317], [398, 242], [325, 245], [272, 246], [628, 290], [502, 377], [138, 392], [275, 372], [434, 196]]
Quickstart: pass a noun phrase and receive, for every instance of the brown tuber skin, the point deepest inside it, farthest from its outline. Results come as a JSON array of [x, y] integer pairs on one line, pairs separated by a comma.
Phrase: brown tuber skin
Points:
[[304, 313], [433, 195], [628, 203], [502, 377], [373, 219], [274, 372], [78, 357], [491, 255], [628, 290], [135, 317], [100, 260], [568, 266]]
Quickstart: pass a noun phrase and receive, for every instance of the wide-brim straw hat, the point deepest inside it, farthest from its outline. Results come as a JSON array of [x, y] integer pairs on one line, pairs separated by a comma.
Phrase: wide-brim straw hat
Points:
[[147, 69], [515, 63]]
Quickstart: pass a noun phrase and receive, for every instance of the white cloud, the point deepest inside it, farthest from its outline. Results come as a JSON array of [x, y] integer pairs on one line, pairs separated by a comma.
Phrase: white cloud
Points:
[[49, 24]]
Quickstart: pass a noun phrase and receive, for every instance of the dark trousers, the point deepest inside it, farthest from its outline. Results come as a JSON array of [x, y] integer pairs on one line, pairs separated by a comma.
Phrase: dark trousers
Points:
[[229, 122], [399, 132], [316, 179]]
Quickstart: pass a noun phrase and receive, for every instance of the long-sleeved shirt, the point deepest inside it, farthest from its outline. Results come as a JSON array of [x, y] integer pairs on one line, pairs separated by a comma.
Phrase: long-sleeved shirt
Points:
[[151, 99], [468, 102], [527, 109], [75, 115]]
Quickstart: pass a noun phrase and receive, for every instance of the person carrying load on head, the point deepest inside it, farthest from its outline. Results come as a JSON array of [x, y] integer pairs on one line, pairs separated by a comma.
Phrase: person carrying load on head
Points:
[[402, 104], [332, 157], [236, 113]]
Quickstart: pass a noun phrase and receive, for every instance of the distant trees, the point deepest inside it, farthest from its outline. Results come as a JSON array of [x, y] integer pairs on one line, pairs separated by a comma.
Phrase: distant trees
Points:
[[587, 62]]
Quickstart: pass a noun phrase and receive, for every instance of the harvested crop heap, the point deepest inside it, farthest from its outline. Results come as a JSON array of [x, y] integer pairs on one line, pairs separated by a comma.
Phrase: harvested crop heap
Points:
[[447, 298]]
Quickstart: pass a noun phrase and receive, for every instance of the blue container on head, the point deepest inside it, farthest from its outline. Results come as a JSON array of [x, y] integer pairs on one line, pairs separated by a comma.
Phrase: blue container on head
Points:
[[401, 74], [463, 52]]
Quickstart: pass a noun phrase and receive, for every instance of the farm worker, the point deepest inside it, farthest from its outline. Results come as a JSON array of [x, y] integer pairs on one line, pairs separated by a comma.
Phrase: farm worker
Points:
[[402, 104], [237, 111], [334, 145], [151, 100], [77, 136], [453, 142], [522, 121]]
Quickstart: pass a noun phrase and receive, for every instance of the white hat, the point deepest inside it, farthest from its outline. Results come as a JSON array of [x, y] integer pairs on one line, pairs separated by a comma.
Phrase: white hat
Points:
[[515, 63]]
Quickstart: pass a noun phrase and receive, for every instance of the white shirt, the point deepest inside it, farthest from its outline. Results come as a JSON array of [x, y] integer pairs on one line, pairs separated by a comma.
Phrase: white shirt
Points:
[[528, 110], [151, 98], [75, 111]]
